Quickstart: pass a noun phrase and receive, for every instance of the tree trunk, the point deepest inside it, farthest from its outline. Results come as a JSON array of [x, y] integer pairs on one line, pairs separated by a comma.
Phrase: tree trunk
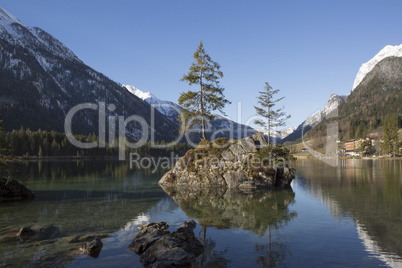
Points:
[[269, 128], [202, 109], [204, 236], [271, 260]]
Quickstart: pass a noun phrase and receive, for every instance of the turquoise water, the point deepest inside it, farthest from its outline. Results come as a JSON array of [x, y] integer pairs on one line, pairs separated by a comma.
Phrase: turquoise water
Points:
[[344, 216]]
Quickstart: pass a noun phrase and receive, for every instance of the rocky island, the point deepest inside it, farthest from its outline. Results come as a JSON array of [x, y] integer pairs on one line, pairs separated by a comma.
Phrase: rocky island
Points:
[[245, 163]]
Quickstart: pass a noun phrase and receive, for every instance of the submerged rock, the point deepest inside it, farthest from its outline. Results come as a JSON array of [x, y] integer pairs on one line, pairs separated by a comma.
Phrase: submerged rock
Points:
[[45, 233], [231, 164], [160, 248], [11, 189], [48, 232], [25, 233], [92, 248]]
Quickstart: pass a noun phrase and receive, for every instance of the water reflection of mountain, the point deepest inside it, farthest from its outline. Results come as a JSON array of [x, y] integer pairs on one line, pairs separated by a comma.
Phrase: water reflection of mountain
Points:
[[369, 191], [253, 210]]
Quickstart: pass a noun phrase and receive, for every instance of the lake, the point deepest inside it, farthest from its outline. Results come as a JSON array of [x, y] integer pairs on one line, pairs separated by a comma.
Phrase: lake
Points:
[[344, 216]]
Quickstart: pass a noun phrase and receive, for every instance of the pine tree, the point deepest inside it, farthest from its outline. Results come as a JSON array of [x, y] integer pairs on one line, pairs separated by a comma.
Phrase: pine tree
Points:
[[199, 104], [55, 148], [352, 133], [275, 117], [5, 150], [362, 133], [391, 140], [40, 152]]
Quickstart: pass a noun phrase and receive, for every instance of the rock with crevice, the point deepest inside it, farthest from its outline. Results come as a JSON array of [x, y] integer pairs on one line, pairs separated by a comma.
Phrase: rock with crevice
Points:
[[228, 163], [158, 247]]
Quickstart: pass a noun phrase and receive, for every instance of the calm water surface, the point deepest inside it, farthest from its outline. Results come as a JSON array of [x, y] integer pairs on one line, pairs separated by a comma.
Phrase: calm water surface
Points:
[[345, 216]]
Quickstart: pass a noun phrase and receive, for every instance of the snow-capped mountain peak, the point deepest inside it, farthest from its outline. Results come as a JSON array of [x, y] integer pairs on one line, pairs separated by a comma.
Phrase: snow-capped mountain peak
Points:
[[5, 16], [220, 125], [388, 51], [168, 108], [278, 134], [328, 111], [140, 94], [42, 80], [18, 34]]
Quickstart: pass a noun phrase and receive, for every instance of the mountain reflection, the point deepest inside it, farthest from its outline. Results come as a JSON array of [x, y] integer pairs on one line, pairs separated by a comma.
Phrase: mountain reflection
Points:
[[370, 191], [248, 209]]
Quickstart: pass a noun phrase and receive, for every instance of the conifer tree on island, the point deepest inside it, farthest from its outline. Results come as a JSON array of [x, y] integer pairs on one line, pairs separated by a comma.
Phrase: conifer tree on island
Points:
[[275, 117], [198, 105]]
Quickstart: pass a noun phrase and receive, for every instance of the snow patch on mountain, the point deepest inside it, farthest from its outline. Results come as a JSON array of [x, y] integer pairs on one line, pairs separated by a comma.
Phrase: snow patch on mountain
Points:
[[18, 33], [168, 108], [140, 94], [278, 134], [7, 17], [219, 125], [330, 110], [388, 51]]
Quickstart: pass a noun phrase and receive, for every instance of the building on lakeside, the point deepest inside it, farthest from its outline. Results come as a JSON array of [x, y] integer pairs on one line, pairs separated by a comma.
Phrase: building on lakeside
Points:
[[350, 146]]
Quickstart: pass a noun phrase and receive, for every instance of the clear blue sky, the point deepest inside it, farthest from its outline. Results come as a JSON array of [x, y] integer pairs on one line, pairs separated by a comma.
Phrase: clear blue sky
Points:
[[306, 49]]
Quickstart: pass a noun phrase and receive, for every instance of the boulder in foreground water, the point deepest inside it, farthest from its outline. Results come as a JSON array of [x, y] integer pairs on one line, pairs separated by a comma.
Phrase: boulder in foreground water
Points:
[[11, 189], [150, 233], [160, 248]]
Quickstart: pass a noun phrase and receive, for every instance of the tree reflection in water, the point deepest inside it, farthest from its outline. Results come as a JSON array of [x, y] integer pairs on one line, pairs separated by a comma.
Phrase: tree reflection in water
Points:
[[211, 257], [249, 209], [272, 254]]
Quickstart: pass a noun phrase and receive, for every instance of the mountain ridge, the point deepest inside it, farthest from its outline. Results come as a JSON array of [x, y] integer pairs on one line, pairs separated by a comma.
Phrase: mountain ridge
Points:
[[41, 80], [378, 95], [379, 68], [172, 110], [329, 110]]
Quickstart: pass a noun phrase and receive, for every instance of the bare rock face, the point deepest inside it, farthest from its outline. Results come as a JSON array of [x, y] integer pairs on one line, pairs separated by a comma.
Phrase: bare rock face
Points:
[[11, 190], [92, 248], [228, 163], [160, 248]]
